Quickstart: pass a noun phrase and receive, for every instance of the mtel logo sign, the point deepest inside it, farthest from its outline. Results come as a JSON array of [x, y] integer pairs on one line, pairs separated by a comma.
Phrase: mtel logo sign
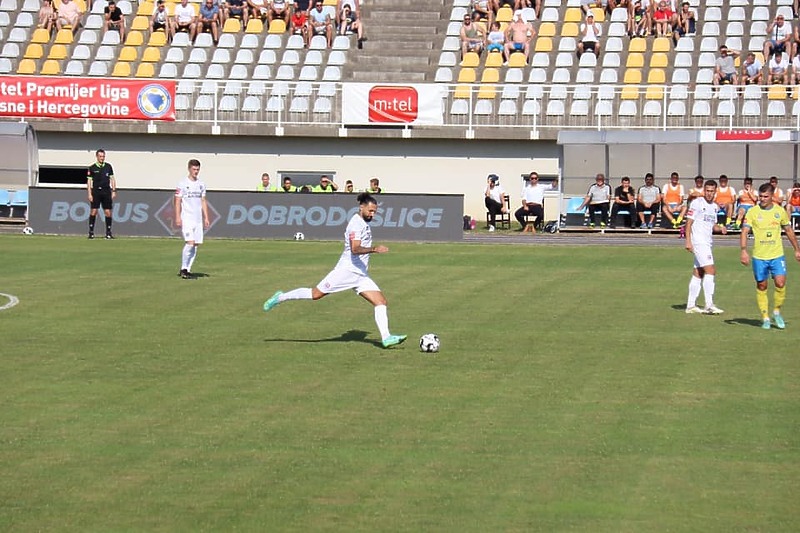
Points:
[[393, 104], [743, 135]]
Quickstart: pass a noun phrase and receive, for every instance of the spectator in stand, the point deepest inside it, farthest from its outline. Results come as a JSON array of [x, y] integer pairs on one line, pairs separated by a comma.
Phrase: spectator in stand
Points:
[[326, 184], [779, 37], [348, 186], [663, 18], [726, 199], [495, 41], [69, 14], [725, 68], [484, 9], [287, 185], [793, 204], [697, 190], [349, 23], [298, 24], [590, 34], [686, 23], [778, 196], [748, 197], [374, 186], [494, 197], [794, 76], [778, 69], [47, 15], [238, 9], [674, 200], [278, 9], [264, 185], [522, 4], [518, 36], [160, 20], [472, 36], [320, 23], [638, 20], [751, 70], [185, 19], [597, 199], [624, 200], [114, 19], [259, 9], [209, 20], [648, 201]]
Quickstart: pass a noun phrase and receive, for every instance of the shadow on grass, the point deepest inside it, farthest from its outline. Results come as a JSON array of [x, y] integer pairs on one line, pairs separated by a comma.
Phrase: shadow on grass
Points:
[[743, 322], [354, 335]]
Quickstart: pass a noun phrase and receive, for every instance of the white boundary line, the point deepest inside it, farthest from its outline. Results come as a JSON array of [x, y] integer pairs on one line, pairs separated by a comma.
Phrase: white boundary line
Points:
[[12, 301]]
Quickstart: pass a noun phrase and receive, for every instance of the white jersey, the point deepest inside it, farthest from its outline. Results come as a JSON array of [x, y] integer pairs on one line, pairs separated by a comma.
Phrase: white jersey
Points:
[[703, 216], [184, 14], [357, 230], [496, 193], [534, 194], [191, 194]]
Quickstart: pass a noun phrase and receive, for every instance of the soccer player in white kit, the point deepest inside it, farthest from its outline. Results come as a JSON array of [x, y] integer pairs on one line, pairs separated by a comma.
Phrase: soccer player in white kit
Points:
[[701, 222], [191, 215], [351, 271]]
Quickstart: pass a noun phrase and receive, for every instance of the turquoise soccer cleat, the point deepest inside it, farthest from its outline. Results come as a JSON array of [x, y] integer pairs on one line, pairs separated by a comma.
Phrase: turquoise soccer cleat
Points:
[[766, 324], [393, 340], [779, 323], [273, 301]]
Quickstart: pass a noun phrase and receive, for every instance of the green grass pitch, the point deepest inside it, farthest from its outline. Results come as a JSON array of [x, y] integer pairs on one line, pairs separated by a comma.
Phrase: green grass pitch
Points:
[[571, 392]]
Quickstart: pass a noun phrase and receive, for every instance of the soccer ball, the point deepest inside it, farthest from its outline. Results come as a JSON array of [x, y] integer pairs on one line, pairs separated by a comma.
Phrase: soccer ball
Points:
[[299, 236], [429, 343], [28, 230]]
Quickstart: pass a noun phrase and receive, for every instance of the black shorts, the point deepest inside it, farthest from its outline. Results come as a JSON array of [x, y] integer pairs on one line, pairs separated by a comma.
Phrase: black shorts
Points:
[[101, 198]]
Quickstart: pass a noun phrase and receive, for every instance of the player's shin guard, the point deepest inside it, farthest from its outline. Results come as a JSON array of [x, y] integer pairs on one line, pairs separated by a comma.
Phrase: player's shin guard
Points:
[[192, 255], [694, 291], [780, 297], [297, 294], [382, 320], [186, 256], [763, 302], [109, 220], [708, 289], [92, 219]]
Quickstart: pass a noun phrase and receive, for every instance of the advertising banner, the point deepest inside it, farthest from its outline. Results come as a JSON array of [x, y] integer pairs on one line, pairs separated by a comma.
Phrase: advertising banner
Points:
[[369, 104], [87, 98], [149, 213], [744, 136]]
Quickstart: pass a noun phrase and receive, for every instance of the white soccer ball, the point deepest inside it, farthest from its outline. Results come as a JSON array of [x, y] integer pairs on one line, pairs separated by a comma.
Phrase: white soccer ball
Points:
[[299, 236], [28, 230], [429, 343]]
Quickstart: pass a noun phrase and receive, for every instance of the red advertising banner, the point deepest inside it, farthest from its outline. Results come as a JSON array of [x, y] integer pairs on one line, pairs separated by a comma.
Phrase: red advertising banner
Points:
[[87, 98]]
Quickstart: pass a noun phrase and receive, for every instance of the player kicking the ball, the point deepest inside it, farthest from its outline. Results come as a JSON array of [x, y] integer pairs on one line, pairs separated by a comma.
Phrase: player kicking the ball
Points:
[[351, 271], [701, 221]]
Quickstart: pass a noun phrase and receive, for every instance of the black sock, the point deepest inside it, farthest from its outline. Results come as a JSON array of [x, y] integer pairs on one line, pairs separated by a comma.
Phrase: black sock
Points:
[[108, 224], [92, 218]]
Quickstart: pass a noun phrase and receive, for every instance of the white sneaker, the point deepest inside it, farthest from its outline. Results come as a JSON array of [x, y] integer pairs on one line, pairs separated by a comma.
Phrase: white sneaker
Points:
[[713, 310], [491, 228], [694, 310]]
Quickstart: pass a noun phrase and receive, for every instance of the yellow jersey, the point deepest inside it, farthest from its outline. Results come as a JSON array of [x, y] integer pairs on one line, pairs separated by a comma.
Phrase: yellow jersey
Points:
[[766, 226]]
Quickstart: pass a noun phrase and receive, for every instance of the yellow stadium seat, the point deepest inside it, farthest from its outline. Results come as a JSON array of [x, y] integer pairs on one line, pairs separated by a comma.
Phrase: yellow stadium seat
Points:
[[277, 26], [656, 75], [462, 91], [145, 70], [573, 14], [494, 59], [737, 62], [145, 10], [517, 60], [661, 44], [328, 2], [659, 60], [543, 44], [637, 44], [471, 59], [599, 14], [40, 36], [51, 67], [232, 26], [57, 52], [26, 66], [503, 27], [158, 39], [140, 23], [64, 36], [633, 76], [569, 29], [760, 57], [635, 60], [655, 92], [255, 26], [152, 54], [490, 75], [795, 92], [482, 25], [122, 70], [466, 75], [547, 29], [504, 14], [777, 92], [128, 53], [487, 91], [134, 38], [34, 51], [630, 92]]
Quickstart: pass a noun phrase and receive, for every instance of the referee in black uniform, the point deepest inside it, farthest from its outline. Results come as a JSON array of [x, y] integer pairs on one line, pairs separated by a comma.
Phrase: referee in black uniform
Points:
[[102, 189]]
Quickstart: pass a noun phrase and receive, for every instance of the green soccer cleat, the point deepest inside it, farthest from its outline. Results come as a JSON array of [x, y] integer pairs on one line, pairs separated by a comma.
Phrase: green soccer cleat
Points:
[[273, 301], [393, 340], [766, 324], [779, 323]]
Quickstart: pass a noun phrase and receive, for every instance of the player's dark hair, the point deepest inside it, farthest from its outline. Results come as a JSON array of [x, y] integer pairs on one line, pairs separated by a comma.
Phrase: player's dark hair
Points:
[[710, 182], [194, 163], [766, 187], [99, 151], [649, 175], [723, 177], [748, 180], [366, 198]]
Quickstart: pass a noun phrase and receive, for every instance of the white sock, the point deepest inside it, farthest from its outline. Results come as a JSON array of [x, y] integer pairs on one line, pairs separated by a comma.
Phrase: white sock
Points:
[[708, 289], [186, 256], [297, 294], [382, 320], [694, 291], [192, 255]]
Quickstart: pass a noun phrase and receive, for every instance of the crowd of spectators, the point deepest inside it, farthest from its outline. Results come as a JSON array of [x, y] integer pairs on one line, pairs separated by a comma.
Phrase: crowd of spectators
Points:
[[326, 184]]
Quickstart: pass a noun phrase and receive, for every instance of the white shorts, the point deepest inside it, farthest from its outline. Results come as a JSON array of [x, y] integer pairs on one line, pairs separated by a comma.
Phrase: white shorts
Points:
[[340, 279], [703, 256], [193, 232]]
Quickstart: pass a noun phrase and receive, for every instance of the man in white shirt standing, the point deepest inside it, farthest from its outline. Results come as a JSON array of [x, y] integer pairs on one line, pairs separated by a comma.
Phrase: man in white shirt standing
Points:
[[351, 271], [590, 35], [701, 222], [191, 215]]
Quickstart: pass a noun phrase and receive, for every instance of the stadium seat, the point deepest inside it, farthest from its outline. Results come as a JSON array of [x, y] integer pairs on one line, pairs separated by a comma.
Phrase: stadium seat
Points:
[[635, 60], [654, 92], [726, 92], [676, 108], [701, 108], [483, 107], [573, 14], [128, 54], [531, 108], [192, 71], [285, 72], [5, 66], [338, 58], [341, 42], [470, 59], [232, 87], [569, 29], [547, 29], [494, 60], [534, 92], [662, 44], [617, 29], [703, 92], [467, 75], [656, 75], [204, 102], [181, 102], [19, 204], [704, 76], [198, 55], [775, 108], [540, 60], [752, 108], [562, 75], [564, 59], [221, 56], [257, 27], [267, 57], [57, 52], [262, 72], [726, 108], [34, 51], [685, 45], [652, 108], [633, 76], [510, 92], [637, 44], [299, 104], [585, 75], [611, 60], [443, 75], [122, 69], [244, 57], [629, 92], [555, 108], [24, 20], [98, 68], [543, 44], [609, 76], [708, 44], [627, 108], [659, 60], [777, 92], [308, 73], [40, 36], [145, 70], [516, 61], [679, 92], [168, 70], [256, 88], [513, 75], [51, 67], [134, 38], [238, 72]]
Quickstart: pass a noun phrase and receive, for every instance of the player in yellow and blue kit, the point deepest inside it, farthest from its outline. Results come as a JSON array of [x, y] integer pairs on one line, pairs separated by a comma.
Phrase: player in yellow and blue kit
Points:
[[766, 220]]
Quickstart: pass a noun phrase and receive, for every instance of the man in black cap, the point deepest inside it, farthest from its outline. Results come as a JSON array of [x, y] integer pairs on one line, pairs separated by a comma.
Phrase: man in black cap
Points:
[[495, 199]]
